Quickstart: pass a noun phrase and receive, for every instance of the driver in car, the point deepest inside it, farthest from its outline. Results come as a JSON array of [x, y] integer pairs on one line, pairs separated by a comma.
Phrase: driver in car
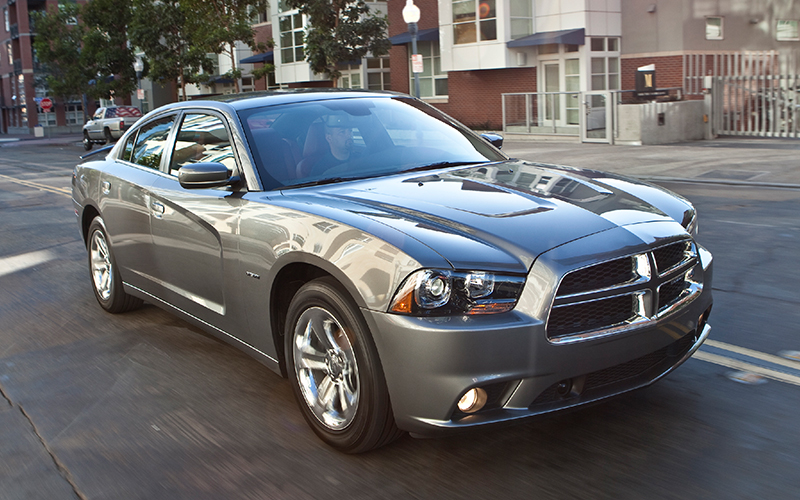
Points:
[[339, 136]]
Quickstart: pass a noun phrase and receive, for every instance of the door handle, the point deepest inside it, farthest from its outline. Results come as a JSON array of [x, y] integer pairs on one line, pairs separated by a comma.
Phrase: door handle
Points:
[[158, 209], [106, 187]]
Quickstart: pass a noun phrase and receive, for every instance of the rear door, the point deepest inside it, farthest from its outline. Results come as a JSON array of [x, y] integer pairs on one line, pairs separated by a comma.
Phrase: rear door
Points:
[[126, 200]]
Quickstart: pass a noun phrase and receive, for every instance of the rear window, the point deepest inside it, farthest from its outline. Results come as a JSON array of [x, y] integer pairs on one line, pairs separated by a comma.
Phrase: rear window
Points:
[[123, 112]]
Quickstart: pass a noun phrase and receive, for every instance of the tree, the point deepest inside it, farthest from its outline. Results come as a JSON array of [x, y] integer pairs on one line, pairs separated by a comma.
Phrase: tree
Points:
[[58, 48], [338, 31], [106, 49], [219, 24], [161, 29]]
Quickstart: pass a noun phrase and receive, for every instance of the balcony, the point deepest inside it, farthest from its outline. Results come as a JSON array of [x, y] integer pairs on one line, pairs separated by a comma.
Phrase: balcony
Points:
[[14, 30], [17, 66]]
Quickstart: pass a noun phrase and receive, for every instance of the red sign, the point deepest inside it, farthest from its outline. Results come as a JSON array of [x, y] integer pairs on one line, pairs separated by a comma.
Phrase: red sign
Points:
[[46, 103]]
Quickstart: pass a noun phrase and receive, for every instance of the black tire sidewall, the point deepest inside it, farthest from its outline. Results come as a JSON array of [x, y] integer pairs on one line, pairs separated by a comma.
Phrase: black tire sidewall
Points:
[[115, 301], [373, 399], [87, 143]]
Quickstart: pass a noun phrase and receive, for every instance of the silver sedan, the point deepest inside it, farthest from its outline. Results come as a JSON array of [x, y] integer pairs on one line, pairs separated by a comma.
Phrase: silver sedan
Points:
[[401, 271]]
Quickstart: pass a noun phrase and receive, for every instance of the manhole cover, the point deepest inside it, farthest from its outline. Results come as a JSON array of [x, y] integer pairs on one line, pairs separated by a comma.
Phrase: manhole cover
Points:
[[748, 378]]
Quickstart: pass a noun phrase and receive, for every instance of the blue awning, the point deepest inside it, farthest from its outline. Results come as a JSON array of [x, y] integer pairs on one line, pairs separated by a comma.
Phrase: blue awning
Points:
[[265, 57], [568, 37], [428, 35]]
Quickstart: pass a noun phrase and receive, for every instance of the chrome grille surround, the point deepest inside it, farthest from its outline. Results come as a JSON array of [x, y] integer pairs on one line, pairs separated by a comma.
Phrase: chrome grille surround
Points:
[[654, 293]]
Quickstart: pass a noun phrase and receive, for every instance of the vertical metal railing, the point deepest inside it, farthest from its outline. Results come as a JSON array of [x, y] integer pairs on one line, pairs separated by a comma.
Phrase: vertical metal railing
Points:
[[756, 105]]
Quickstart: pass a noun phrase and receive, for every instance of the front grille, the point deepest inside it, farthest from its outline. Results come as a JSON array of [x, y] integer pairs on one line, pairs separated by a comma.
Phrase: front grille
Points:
[[671, 255], [622, 372], [605, 275], [587, 316], [601, 298], [669, 293]]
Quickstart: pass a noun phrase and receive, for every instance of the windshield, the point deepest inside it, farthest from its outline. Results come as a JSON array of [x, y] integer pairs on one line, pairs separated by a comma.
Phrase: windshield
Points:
[[341, 139]]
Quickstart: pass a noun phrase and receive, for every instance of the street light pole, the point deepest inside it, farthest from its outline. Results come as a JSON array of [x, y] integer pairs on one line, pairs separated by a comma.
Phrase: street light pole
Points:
[[411, 17], [138, 67]]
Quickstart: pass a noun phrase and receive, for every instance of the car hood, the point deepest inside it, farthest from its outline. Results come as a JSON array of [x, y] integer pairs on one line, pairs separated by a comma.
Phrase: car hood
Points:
[[501, 216]]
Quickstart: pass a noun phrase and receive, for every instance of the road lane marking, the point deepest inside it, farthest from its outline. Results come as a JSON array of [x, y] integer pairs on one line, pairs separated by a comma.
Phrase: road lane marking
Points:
[[37, 185], [747, 367], [753, 354], [9, 265]]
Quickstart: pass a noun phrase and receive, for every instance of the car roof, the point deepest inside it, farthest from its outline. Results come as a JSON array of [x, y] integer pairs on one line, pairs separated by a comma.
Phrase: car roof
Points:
[[247, 100]]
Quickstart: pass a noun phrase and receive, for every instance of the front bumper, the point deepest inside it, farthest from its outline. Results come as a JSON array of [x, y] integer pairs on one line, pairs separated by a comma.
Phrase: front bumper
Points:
[[429, 363]]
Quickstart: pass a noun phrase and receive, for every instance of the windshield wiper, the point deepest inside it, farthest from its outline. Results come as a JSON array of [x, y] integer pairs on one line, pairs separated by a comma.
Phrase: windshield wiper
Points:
[[442, 164], [327, 180]]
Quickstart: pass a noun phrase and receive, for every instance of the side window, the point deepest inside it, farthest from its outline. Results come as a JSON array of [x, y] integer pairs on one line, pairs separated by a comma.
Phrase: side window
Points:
[[98, 115], [150, 142], [202, 138], [127, 150]]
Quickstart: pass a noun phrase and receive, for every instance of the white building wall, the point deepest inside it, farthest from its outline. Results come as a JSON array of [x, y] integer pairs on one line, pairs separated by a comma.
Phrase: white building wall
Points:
[[597, 17]]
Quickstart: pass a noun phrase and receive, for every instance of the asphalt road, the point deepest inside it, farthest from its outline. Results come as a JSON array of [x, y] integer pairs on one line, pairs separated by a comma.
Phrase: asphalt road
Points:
[[142, 405]]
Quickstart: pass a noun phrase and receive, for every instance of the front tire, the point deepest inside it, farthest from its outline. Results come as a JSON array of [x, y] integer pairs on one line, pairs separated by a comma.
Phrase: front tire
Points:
[[334, 370], [106, 282], [87, 143]]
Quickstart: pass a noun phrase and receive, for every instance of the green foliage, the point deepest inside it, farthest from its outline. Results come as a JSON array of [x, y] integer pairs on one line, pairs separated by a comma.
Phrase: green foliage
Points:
[[163, 31], [58, 49], [216, 25], [263, 71], [106, 49], [340, 30]]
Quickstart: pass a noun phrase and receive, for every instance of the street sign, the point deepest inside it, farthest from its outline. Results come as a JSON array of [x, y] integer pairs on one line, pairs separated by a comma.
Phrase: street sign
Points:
[[416, 63], [46, 104]]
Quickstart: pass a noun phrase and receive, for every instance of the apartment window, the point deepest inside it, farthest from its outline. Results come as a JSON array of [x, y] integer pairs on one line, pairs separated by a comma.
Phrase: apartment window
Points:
[[471, 17], [432, 80], [521, 18], [378, 76], [6, 22], [714, 28], [787, 31], [291, 27], [74, 112], [10, 52], [604, 64]]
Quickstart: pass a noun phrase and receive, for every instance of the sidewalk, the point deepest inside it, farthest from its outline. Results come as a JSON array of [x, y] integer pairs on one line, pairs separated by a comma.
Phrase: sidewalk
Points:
[[728, 160], [11, 140]]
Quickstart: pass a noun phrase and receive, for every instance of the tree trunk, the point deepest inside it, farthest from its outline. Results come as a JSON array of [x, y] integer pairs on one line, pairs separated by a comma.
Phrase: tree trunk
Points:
[[236, 80]]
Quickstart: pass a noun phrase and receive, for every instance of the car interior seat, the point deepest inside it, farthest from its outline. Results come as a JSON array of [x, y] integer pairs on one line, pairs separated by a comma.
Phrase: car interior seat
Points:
[[314, 147]]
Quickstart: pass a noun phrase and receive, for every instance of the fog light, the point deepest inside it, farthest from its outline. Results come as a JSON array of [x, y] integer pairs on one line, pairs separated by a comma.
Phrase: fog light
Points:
[[472, 400]]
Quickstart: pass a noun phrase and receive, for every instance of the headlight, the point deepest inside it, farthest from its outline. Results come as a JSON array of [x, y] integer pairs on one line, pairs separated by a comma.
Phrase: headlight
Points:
[[437, 292], [689, 222]]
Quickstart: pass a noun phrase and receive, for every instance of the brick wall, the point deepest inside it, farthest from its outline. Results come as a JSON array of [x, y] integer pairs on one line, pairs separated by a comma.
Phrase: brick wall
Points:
[[669, 71], [475, 96]]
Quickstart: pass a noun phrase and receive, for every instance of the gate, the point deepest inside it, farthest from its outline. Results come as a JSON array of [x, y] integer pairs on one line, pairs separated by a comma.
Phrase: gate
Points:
[[758, 106]]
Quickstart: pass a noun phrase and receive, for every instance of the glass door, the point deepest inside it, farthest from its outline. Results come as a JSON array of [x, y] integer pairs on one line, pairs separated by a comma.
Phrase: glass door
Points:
[[597, 117]]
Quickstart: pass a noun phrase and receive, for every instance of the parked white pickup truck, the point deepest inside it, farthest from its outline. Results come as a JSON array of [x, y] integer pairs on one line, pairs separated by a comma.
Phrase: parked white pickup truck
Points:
[[108, 124]]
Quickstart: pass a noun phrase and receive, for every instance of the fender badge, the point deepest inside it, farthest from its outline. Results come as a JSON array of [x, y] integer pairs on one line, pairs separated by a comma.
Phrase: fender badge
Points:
[[252, 275]]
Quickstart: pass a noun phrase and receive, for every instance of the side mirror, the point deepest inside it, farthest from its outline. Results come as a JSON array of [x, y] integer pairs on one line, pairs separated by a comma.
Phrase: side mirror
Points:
[[493, 139], [205, 175]]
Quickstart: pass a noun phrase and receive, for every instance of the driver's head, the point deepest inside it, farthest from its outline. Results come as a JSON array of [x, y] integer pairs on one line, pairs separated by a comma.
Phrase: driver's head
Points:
[[339, 134]]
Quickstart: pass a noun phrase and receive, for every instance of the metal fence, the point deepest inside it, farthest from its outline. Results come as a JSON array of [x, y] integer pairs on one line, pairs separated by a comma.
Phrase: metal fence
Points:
[[551, 113], [760, 106]]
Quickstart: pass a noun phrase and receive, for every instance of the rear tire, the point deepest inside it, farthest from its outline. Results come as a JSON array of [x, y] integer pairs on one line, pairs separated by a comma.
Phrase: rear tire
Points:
[[106, 282], [334, 370], [107, 134]]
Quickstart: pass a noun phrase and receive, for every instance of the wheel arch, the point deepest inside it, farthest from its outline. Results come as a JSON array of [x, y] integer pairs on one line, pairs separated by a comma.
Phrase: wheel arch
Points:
[[87, 216], [289, 277]]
